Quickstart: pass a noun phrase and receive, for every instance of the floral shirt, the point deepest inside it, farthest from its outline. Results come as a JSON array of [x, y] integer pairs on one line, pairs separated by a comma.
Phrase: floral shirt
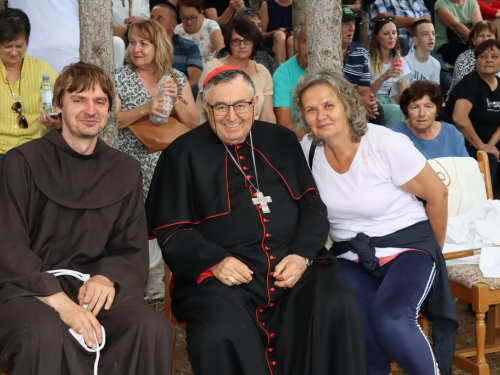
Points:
[[133, 94], [202, 38]]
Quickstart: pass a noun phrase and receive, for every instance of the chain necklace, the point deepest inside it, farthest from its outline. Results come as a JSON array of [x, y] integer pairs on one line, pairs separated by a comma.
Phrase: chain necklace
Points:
[[14, 98], [260, 199]]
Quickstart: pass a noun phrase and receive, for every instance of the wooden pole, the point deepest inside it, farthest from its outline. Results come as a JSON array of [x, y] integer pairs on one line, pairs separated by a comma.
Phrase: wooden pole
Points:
[[324, 35], [96, 47]]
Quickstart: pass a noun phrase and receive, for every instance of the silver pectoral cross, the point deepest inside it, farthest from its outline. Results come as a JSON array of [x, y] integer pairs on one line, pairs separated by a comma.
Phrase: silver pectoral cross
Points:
[[263, 201]]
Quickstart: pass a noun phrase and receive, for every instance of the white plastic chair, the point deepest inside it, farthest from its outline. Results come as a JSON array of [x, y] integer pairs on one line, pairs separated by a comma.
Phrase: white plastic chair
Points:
[[118, 52]]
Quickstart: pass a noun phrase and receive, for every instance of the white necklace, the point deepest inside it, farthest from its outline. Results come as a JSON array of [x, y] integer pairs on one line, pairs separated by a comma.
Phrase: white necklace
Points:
[[260, 199]]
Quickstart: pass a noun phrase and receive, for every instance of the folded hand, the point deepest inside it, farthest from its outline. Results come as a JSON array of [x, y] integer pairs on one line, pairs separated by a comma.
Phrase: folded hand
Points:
[[97, 292]]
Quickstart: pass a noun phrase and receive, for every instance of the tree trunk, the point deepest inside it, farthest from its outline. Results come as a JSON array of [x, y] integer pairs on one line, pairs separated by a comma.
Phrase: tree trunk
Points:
[[96, 47], [365, 27], [2, 4], [298, 13], [324, 35]]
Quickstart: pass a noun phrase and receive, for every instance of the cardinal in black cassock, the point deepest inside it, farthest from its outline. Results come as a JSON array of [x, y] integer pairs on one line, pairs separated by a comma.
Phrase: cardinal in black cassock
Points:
[[204, 207]]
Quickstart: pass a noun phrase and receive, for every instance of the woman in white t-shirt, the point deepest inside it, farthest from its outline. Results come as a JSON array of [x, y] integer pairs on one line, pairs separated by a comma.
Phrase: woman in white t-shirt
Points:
[[369, 177], [385, 76]]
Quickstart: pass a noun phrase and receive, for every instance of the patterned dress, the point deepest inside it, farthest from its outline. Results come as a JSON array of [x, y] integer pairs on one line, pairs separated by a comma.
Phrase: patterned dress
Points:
[[133, 94], [203, 38]]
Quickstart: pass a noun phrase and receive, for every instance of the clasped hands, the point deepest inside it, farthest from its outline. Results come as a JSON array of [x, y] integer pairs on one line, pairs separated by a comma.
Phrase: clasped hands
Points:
[[491, 149], [236, 4], [232, 271], [96, 293], [133, 19], [370, 102]]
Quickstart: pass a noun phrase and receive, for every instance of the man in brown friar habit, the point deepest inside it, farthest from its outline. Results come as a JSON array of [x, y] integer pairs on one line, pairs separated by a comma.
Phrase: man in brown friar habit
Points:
[[73, 248], [236, 212]]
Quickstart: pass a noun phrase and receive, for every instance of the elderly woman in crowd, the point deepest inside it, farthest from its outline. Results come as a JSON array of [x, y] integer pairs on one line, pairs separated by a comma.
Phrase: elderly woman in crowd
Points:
[[454, 18], [422, 103], [149, 56], [466, 62], [242, 40], [389, 245], [263, 55], [21, 115], [387, 80], [204, 32], [474, 104]]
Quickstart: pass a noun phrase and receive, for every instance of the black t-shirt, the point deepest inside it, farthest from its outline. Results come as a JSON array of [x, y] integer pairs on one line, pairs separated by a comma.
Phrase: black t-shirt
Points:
[[485, 112], [219, 5]]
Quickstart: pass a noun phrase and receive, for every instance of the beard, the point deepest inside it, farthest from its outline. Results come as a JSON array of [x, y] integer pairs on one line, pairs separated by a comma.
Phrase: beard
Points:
[[83, 132]]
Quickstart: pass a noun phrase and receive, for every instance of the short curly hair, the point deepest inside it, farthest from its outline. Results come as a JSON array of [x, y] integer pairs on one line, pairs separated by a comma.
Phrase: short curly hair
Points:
[[478, 28], [417, 91], [196, 4], [487, 45], [347, 93]]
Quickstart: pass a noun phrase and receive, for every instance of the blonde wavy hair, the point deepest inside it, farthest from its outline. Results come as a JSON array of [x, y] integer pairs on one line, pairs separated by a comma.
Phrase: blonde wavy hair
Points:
[[164, 50], [376, 64], [347, 93]]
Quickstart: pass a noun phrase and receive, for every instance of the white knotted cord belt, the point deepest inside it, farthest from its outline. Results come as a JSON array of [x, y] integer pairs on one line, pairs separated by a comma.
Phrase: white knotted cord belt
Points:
[[83, 277]]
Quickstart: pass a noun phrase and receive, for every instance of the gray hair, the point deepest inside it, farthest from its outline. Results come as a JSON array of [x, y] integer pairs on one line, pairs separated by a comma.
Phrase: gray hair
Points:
[[355, 110], [297, 30], [225, 77]]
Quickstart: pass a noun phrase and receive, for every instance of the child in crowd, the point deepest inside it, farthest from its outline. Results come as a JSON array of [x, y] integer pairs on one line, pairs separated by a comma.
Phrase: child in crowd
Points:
[[388, 79], [423, 66]]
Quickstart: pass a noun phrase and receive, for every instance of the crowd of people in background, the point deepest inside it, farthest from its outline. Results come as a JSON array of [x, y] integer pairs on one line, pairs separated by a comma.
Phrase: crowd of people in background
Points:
[[436, 40], [425, 86]]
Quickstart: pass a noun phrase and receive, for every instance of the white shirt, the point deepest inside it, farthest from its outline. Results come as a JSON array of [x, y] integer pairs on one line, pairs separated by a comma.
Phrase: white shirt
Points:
[[55, 30], [120, 12], [423, 71], [390, 86], [367, 198]]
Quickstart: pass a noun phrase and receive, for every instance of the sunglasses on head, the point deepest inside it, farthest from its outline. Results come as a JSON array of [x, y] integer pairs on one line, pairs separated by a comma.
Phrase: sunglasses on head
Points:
[[249, 11], [21, 120], [385, 20]]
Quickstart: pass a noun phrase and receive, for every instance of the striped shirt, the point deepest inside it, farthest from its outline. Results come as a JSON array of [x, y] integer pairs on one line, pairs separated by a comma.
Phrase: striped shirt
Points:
[[400, 8], [186, 54], [357, 65], [11, 135]]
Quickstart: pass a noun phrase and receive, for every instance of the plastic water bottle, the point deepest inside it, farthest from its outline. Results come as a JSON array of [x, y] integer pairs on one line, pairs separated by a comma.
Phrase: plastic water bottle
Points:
[[397, 62], [47, 90], [168, 103]]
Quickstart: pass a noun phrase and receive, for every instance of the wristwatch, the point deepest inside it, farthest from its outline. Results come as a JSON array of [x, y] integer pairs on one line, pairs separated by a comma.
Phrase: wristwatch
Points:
[[309, 262]]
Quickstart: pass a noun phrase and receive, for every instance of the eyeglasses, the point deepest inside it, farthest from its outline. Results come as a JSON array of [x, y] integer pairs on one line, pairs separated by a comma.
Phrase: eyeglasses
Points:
[[385, 19], [189, 19], [237, 42], [21, 120], [223, 109], [249, 11]]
